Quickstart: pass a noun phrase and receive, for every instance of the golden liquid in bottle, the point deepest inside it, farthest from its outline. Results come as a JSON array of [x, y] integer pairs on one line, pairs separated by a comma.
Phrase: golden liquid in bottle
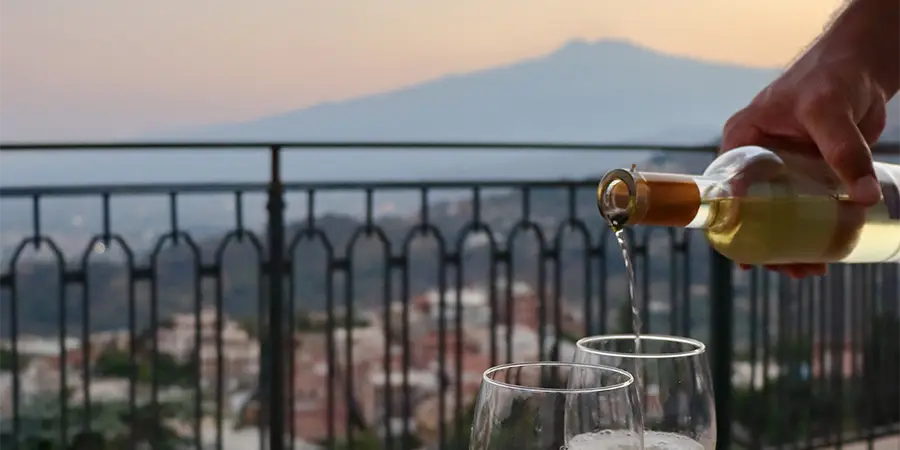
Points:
[[801, 229], [770, 223]]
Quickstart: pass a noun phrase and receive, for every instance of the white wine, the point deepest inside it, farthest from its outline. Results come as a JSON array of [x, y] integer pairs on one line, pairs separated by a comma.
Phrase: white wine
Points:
[[802, 229], [623, 440], [757, 209]]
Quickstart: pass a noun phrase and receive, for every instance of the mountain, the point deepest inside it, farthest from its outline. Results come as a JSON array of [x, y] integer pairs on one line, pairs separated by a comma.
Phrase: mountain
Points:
[[603, 91]]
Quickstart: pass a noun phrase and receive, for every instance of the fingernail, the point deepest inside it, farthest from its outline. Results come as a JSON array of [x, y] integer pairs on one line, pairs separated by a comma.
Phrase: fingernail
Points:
[[866, 190]]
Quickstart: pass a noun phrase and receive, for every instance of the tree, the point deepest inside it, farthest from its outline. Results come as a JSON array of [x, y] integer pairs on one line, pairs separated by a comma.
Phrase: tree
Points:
[[169, 372], [148, 430], [6, 360], [791, 407], [250, 325], [111, 424], [365, 440], [461, 440], [113, 363], [880, 399], [519, 427], [568, 336], [89, 441]]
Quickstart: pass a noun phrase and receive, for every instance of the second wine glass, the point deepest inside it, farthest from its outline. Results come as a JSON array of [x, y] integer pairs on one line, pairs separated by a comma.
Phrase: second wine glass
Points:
[[678, 403], [553, 405]]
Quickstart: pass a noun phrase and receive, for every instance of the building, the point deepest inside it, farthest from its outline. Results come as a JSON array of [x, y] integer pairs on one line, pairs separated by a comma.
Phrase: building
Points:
[[240, 352]]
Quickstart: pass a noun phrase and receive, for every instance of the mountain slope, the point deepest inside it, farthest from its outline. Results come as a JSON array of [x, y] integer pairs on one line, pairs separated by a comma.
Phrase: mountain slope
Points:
[[602, 91], [605, 91]]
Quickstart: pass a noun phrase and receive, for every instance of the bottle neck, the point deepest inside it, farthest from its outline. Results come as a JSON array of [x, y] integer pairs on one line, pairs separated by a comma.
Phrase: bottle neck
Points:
[[627, 198]]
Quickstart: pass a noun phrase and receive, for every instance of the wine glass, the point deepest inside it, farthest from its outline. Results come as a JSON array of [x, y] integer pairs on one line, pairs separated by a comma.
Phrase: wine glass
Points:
[[554, 405], [673, 375]]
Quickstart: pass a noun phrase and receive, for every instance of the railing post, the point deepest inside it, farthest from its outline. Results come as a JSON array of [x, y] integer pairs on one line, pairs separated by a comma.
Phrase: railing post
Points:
[[276, 392], [721, 295]]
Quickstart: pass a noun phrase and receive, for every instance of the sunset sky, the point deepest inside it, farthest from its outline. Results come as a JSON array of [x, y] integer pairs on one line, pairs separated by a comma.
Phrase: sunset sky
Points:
[[94, 69]]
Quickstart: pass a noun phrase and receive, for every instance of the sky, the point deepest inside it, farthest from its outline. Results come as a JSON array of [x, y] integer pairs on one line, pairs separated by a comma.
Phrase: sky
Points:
[[113, 69]]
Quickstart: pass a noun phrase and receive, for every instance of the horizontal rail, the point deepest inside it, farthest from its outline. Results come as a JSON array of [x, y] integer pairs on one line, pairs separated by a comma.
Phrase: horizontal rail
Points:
[[372, 145], [888, 148], [200, 188]]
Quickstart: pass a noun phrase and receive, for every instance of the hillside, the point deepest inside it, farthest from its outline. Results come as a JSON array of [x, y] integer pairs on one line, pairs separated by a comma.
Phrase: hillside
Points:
[[109, 283]]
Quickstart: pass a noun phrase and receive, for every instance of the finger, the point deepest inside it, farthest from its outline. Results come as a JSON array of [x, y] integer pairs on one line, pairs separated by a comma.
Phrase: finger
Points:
[[872, 123], [844, 149], [740, 130], [750, 126]]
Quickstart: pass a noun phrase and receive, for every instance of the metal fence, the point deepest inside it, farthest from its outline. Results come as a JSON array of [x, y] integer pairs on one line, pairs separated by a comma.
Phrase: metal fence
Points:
[[372, 329]]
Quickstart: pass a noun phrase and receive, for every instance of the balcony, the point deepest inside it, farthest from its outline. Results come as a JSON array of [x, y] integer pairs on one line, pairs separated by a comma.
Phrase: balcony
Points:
[[370, 329]]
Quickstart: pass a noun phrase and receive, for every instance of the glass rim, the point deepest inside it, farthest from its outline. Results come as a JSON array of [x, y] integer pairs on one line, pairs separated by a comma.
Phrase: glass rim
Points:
[[629, 378], [699, 347]]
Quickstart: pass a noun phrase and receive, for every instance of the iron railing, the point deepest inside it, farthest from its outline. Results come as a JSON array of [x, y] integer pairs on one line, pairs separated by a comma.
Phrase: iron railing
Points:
[[806, 364]]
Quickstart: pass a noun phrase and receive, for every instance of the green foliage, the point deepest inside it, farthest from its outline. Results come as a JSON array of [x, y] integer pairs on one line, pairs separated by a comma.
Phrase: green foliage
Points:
[[568, 336], [787, 409], [368, 440], [361, 441], [461, 440], [6, 360], [794, 405], [879, 402], [112, 424], [169, 372], [113, 363], [250, 325], [518, 427]]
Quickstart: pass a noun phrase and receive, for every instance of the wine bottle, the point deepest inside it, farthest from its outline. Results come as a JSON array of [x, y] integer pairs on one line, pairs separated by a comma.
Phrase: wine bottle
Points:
[[758, 206]]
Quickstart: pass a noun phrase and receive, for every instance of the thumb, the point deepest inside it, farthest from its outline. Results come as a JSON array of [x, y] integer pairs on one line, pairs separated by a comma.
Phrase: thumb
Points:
[[844, 148]]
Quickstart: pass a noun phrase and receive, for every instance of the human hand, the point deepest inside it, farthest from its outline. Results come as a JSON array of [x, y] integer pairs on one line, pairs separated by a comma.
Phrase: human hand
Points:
[[824, 105]]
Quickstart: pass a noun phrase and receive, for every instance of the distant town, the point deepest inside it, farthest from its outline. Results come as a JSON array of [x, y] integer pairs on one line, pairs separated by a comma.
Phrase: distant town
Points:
[[360, 352]]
